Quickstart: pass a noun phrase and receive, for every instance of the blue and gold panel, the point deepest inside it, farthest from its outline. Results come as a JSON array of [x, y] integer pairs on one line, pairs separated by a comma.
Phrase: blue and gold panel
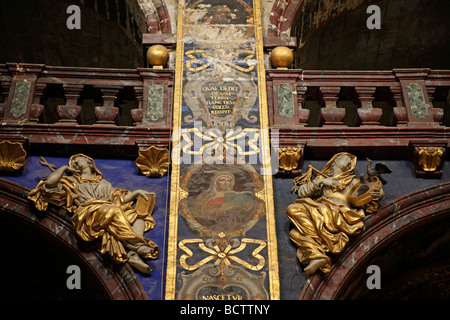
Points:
[[221, 230]]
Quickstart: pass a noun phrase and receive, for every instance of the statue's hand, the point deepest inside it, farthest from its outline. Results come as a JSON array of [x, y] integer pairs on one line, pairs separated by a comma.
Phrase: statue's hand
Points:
[[142, 193], [377, 194], [329, 182], [133, 195], [71, 170]]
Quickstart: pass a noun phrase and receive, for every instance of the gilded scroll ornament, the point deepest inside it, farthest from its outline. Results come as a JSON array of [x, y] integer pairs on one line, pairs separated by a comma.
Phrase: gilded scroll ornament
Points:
[[330, 208], [200, 60], [222, 254], [101, 211], [153, 162], [12, 156], [240, 142], [430, 158]]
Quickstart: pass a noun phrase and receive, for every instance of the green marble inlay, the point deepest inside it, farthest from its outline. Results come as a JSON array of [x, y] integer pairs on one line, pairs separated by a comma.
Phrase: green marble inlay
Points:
[[417, 100], [155, 102], [20, 98], [285, 101]]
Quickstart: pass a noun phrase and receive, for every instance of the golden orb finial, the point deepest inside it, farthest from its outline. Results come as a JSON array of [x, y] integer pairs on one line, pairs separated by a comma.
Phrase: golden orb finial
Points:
[[157, 56], [281, 57]]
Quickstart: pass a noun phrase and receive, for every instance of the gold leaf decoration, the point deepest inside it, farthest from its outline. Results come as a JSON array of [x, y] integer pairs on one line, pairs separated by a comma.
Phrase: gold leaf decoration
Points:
[[153, 162], [430, 157], [12, 156], [289, 158]]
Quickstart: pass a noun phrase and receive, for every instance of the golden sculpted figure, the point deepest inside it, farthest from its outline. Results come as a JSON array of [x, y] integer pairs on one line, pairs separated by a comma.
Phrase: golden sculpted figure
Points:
[[101, 211], [330, 208]]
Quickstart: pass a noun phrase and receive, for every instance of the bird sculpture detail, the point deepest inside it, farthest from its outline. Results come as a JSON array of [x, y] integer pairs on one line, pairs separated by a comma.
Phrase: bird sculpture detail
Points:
[[377, 170], [363, 187]]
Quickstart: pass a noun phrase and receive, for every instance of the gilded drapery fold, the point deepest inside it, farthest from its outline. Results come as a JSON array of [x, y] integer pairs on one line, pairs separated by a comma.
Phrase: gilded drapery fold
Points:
[[322, 226], [325, 216], [100, 212]]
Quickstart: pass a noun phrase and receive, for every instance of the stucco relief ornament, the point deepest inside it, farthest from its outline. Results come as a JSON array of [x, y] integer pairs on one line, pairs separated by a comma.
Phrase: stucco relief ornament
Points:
[[153, 162], [331, 208], [101, 211], [12, 156]]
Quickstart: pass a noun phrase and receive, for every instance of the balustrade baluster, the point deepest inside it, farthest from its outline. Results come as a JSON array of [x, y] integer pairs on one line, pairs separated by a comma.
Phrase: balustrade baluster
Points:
[[136, 114], [331, 114], [303, 114], [437, 113], [36, 107], [5, 86], [368, 115], [399, 109], [108, 114], [69, 113]]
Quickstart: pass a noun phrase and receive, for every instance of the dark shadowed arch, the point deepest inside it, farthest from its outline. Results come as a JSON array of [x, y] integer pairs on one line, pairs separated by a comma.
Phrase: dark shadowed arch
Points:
[[40, 247], [333, 35], [110, 33], [408, 239]]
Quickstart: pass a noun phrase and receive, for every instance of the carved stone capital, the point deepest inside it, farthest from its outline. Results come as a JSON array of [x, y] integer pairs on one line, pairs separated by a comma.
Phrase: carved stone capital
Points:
[[290, 160], [428, 158]]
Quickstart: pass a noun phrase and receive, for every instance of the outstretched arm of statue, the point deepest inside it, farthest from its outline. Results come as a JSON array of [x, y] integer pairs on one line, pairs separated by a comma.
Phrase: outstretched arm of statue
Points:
[[312, 188], [308, 189], [54, 178], [134, 194]]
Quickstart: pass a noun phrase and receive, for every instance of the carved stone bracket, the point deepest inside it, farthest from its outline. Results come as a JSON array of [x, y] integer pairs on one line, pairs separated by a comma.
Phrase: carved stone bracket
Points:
[[428, 158]]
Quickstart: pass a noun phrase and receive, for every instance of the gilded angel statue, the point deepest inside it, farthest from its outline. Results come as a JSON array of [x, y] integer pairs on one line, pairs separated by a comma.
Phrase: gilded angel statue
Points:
[[330, 208], [101, 211]]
